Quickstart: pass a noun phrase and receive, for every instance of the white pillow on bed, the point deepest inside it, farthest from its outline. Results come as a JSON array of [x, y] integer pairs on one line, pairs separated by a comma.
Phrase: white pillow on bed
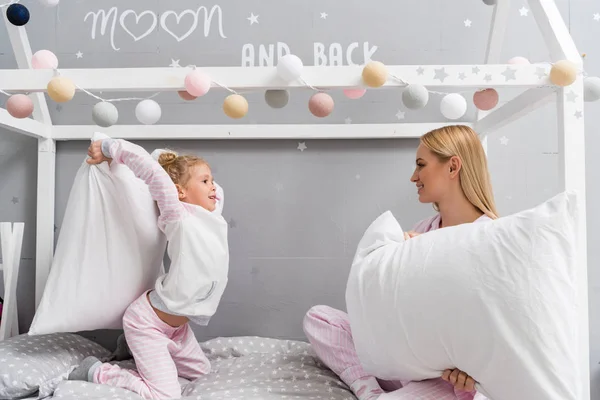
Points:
[[110, 250], [496, 300]]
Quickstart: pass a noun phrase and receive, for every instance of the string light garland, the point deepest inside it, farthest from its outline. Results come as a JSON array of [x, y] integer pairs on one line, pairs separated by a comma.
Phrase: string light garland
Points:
[[197, 83]]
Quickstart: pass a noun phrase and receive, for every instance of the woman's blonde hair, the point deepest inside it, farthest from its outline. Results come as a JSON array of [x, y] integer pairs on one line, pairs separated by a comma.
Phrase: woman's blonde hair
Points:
[[463, 142], [178, 167]]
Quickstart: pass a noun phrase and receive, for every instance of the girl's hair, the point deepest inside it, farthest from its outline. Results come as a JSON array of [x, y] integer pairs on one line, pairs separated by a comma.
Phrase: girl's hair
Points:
[[178, 167], [463, 142]]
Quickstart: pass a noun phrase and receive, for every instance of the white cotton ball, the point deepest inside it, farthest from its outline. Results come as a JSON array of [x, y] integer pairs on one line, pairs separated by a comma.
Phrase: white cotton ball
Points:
[[105, 114], [148, 112], [490, 2], [591, 88], [289, 67], [415, 96], [453, 106], [49, 3]]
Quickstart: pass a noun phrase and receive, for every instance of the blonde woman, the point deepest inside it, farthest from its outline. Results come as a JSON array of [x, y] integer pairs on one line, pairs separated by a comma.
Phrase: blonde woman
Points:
[[451, 172]]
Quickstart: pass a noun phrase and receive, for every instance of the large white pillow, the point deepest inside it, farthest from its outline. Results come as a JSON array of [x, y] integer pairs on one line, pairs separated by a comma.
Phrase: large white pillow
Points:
[[110, 250], [496, 300]]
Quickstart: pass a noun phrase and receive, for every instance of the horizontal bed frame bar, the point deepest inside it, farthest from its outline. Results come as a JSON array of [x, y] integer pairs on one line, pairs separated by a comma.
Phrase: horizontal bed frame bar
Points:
[[269, 131], [262, 78]]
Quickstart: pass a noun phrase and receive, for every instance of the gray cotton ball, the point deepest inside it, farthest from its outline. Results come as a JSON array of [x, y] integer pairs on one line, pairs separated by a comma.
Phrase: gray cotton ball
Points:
[[489, 2], [415, 96], [277, 98], [105, 114], [591, 88]]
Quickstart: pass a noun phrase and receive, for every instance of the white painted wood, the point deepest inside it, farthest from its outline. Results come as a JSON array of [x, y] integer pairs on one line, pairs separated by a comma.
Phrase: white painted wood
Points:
[[497, 32], [11, 240], [44, 246], [25, 126], [262, 78], [554, 31], [22, 50], [514, 109], [269, 131], [571, 145]]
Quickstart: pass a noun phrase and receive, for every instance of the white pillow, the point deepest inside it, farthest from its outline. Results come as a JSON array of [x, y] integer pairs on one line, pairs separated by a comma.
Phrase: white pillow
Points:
[[109, 252], [496, 300]]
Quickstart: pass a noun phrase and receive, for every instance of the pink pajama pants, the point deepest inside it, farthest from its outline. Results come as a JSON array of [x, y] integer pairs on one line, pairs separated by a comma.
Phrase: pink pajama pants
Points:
[[161, 353], [328, 331]]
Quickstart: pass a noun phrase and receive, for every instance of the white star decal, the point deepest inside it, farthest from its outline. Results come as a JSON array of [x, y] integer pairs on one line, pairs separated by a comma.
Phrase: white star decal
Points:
[[253, 19], [174, 64], [400, 114], [467, 23], [597, 17], [348, 120], [301, 147], [503, 140], [523, 11], [79, 54], [324, 15]]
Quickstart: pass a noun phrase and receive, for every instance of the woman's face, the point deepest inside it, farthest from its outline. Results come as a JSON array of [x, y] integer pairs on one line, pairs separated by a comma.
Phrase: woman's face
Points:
[[432, 177]]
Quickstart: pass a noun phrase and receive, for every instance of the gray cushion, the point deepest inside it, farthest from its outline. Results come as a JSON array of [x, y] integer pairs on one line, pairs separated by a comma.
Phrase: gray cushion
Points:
[[32, 366]]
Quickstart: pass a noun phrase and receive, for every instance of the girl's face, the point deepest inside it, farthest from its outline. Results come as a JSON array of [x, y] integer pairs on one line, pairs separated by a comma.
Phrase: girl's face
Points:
[[432, 177], [200, 189]]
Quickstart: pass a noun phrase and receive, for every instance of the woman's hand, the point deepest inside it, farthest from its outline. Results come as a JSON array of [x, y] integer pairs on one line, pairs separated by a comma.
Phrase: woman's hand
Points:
[[410, 234], [460, 380], [95, 153]]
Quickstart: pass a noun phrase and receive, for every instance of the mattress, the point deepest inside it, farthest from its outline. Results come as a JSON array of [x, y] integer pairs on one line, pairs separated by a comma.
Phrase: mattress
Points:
[[242, 368]]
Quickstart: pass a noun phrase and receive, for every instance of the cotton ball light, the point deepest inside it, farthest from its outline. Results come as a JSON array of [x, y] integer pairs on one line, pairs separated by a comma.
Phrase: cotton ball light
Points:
[[489, 2], [235, 106], [197, 83], [374, 74], [148, 112], [277, 98], [591, 88], [19, 106], [415, 96], [519, 60], [186, 96], [17, 14], [105, 114], [354, 93], [44, 59], [453, 106], [49, 3], [486, 99], [61, 89], [289, 67], [563, 73], [320, 104]]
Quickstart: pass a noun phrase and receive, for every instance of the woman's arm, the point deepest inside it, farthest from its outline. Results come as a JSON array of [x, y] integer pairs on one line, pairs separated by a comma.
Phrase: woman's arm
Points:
[[162, 189]]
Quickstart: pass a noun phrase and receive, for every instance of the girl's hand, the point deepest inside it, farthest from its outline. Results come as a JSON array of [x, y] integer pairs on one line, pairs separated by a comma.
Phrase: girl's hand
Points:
[[95, 153], [410, 234], [460, 380]]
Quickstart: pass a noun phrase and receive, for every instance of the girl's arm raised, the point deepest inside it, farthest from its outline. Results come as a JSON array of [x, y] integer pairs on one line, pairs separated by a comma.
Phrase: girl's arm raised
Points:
[[162, 188]]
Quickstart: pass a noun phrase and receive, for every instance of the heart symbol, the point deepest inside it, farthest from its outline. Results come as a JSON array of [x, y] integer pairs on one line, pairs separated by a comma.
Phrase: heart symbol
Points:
[[137, 21], [163, 20]]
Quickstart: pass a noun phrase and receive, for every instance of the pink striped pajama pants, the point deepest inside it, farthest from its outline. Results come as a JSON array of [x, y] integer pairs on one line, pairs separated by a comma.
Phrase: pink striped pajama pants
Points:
[[328, 331], [161, 353]]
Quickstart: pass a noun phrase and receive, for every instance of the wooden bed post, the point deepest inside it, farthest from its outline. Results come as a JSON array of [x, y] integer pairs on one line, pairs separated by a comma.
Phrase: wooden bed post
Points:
[[44, 243]]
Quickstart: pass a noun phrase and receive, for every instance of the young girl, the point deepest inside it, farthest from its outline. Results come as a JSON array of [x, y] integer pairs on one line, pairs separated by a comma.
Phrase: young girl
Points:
[[452, 173], [156, 324]]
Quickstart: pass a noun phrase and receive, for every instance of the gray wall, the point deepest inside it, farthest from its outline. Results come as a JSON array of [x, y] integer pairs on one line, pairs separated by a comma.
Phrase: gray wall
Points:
[[296, 216]]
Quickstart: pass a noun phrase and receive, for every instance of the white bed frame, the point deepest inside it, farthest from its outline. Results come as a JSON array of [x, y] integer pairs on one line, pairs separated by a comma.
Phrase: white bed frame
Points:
[[539, 92]]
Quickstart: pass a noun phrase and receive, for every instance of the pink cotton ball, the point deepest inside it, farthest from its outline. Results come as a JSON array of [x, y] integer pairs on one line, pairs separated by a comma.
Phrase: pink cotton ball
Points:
[[518, 60], [44, 59], [19, 106], [485, 99], [197, 83], [354, 93], [320, 104]]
